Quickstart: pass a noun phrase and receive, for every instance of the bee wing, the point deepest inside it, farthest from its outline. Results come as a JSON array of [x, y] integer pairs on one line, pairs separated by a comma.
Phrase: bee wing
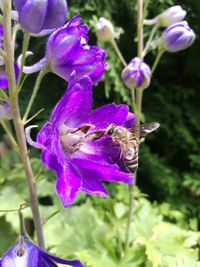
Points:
[[146, 128]]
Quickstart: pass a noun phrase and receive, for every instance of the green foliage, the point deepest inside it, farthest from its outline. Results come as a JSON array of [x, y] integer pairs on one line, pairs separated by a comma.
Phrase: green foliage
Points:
[[99, 240]]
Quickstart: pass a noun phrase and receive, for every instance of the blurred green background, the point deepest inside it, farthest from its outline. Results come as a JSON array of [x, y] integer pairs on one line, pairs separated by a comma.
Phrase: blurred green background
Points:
[[165, 229]]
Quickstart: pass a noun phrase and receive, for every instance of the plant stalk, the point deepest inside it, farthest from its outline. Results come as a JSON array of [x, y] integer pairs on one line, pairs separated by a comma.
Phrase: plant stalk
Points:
[[138, 106], [24, 49], [118, 52], [41, 75], [19, 128], [155, 64]]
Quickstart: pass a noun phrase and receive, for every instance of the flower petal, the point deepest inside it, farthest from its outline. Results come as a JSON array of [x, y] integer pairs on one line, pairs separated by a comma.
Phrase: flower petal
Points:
[[44, 136], [36, 10], [74, 263], [56, 14], [68, 184], [75, 105], [91, 185], [30, 258], [130, 120], [103, 171], [102, 117], [3, 81]]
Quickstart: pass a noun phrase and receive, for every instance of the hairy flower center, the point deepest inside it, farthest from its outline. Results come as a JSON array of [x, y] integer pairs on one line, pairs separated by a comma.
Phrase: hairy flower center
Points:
[[73, 138]]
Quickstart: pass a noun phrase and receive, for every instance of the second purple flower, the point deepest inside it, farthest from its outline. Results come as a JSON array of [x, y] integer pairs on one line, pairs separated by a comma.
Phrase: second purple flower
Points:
[[68, 50]]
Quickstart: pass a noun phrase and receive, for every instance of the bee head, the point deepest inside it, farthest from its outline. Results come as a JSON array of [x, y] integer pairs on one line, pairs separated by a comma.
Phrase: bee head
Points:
[[110, 129]]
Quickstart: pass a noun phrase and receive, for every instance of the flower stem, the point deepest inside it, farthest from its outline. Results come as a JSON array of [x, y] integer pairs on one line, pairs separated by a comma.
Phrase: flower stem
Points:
[[24, 49], [118, 52], [10, 136], [138, 106], [41, 75], [148, 45], [155, 64], [19, 128]]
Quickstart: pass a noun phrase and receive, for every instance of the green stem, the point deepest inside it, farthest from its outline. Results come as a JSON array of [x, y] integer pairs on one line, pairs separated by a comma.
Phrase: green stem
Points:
[[10, 136], [118, 52], [138, 106], [19, 128], [147, 47], [24, 49], [2, 53], [155, 64], [22, 230], [35, 91], [14, 34], [4, 95]]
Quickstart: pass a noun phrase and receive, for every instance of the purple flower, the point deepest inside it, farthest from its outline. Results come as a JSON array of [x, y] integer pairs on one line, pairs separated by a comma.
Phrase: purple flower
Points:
[[177, 37], [1, 35], [36, 15], [67, 50], [29, 255], [69, 146], [3, 77], [136, 74]]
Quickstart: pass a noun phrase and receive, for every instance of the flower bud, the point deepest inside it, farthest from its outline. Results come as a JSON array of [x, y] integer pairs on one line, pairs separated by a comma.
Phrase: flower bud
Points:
[[177, 37], [105, 30], [137, 74], [3, 76], [5, 112], [170, 16], [36, 15]]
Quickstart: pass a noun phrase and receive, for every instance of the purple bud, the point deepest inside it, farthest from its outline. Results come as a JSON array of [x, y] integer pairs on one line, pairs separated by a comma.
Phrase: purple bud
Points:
[[67, 50], [5, 112], [136, 74], [36, 15], [171, 15], [177, 37]]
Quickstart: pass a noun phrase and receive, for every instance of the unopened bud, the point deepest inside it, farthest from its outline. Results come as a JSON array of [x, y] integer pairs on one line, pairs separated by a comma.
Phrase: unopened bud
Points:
[[137, 74], [105, 30], [36, 16], [5, 112], [177, 37], [170, 16]]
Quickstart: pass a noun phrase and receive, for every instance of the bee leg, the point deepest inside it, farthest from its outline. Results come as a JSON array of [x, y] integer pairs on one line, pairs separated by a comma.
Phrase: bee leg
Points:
[[117, 158]]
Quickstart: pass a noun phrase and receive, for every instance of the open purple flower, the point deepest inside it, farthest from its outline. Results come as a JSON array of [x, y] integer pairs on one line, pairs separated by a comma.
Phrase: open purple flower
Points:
[[29, 255], [67, 50], [72, 147], [36, 15]]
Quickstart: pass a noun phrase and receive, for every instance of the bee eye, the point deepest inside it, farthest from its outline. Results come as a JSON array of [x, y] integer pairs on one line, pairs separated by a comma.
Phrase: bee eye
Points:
[[110, 131]]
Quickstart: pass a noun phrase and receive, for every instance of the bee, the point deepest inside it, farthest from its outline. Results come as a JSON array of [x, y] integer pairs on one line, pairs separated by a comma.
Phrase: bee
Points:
[[128, 141]]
